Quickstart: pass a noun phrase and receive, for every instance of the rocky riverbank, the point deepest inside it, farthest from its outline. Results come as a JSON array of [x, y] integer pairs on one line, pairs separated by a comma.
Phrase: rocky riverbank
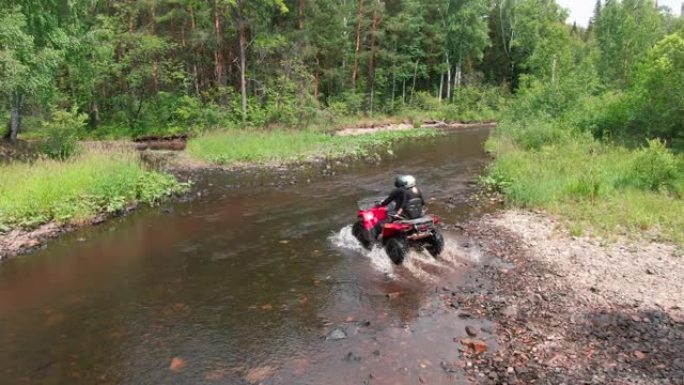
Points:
[[19, 241], [575, 310]]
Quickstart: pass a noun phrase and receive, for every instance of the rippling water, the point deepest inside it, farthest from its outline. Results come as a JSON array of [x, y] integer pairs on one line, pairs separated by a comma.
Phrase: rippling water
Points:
[[243, 285]]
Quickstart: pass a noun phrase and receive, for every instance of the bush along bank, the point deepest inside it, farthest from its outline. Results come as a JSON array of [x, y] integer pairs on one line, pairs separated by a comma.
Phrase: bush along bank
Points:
[[596, 187], [72, 193], [601, 147]]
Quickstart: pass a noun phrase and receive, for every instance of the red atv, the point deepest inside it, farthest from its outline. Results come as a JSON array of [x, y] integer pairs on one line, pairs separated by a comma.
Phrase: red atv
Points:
[[398, 234]]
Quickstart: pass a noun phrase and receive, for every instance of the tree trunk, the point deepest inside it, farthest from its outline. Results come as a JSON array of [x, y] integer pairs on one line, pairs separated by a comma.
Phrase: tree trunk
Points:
[[448, 95], [355, 69], [415, 75], [153, 31], [317, 84], [394, 86], [130, 22], [458, 73], [371, 62], [243, 65], [195, 72], [403, 92], [153, 16], [301, 14], [94, 119], [507, 46], [218, 57], [16, 106], [441, 86]]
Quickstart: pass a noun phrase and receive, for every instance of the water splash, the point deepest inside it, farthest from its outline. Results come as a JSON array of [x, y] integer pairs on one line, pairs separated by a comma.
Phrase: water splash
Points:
[[379, 260], [459, 254], [418, 264]]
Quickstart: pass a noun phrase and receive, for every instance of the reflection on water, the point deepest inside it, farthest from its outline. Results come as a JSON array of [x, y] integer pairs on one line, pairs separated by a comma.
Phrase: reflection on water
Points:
[[241, 285]]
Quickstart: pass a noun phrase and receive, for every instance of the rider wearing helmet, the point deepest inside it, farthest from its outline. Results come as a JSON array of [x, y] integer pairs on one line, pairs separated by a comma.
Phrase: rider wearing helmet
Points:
[[412, 207], [407, 197], [398, 195]]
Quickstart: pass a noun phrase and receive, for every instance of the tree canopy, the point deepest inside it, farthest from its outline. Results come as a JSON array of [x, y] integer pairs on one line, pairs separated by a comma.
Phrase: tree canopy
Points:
[[140, 66]]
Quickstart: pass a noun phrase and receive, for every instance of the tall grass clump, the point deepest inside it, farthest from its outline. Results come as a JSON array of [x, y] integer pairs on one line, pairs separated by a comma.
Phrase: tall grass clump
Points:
[[76, 190], [594, 185], [234, 147]]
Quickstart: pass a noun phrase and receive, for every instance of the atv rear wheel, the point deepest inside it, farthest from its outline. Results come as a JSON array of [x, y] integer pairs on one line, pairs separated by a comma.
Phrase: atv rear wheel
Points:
[[362, 235], [396, 249], [435, 244]]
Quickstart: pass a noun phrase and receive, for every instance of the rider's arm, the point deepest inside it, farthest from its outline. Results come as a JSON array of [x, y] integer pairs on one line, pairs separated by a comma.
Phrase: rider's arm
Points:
[[401, 201], [392, 197]]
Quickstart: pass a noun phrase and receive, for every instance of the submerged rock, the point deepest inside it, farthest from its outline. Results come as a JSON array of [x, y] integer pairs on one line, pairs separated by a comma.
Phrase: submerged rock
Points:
[[337, 334]]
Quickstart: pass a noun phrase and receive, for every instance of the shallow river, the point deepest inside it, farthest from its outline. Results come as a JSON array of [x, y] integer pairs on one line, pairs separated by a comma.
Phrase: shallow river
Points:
[[244, 284]]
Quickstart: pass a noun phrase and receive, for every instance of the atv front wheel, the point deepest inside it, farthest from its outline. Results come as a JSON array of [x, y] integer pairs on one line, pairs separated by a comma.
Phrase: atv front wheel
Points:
[[362, 235], [396, 249], [435, 244]]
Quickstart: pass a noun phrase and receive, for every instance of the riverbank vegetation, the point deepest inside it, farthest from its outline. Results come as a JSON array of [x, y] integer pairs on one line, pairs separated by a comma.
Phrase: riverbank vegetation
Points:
[[232, 147], [75, 191], [596, 133]]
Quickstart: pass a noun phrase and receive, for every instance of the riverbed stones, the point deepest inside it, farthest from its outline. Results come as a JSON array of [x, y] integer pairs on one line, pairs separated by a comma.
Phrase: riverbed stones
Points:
[[594, 318], [259, 374], [337, 334], [471, 331]]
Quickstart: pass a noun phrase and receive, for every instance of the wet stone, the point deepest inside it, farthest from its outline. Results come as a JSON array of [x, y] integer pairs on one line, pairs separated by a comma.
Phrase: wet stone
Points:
[[337, 334], [449, 367], [471, 331]]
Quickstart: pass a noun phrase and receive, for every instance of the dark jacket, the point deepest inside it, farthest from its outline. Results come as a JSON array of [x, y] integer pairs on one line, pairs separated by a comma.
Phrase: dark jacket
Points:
[[412, 206], [398, 196], [409, 200]]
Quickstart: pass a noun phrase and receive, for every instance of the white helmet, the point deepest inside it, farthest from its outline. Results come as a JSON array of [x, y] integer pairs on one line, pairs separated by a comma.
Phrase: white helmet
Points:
[[406, 181], [410, 181]]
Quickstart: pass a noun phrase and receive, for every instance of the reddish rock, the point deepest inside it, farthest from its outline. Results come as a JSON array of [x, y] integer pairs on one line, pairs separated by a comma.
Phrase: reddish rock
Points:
[[177, 364]]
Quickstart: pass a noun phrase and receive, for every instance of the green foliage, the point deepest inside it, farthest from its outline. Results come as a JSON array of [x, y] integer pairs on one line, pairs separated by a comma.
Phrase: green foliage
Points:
[[469, 104], [63, 132], [603, 187], [655, 168], [26, 66], [4, 128], [77, 190], [624, 31], [231, 147], [657, 95]]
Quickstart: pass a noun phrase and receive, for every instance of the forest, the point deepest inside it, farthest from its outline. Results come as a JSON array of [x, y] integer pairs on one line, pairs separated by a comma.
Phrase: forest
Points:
[[135, 67], [562, 94], [159, 66]]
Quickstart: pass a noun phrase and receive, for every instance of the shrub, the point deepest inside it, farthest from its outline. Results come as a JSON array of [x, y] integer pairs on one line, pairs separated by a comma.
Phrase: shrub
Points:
[[655, 167], [63, 132], [657, 90], [536, 134]]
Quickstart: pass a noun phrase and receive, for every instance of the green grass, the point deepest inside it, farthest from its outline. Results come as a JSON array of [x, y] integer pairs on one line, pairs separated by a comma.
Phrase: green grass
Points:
[[234, 147], [76, 190], [595, 186]]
